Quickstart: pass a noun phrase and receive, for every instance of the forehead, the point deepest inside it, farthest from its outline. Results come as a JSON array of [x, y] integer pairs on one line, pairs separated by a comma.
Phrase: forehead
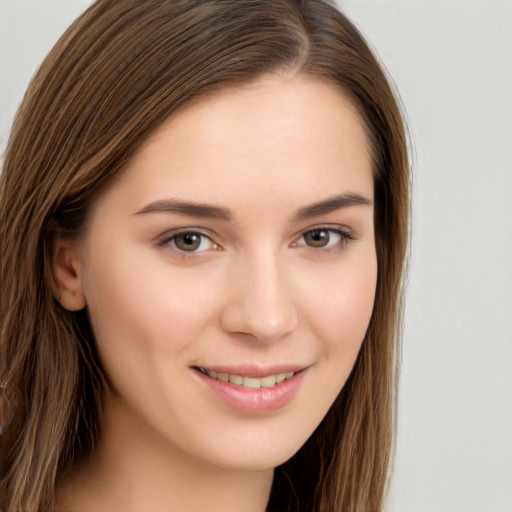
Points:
[[285, 138]]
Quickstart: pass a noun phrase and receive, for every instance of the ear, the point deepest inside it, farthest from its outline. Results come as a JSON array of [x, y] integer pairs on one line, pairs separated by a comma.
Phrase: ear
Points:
[[67, 272]]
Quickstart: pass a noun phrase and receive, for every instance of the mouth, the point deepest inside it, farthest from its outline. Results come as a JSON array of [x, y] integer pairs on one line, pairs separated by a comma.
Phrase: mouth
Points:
[[246, 381], [251, 388]]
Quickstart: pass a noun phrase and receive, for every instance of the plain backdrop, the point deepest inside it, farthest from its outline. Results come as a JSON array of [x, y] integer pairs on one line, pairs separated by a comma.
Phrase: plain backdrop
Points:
[[452, 63]]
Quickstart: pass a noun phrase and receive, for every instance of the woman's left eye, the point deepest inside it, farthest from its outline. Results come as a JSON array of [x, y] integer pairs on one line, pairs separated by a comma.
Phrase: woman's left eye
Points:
[[189, 242], [324, 238]]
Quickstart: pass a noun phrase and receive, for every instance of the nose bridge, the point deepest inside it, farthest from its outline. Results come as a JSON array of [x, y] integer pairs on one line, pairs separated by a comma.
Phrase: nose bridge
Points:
[[261, 303]]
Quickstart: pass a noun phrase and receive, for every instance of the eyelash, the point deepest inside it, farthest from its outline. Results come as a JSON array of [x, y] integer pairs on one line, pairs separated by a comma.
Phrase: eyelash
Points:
[[169, 239], [345, 237]]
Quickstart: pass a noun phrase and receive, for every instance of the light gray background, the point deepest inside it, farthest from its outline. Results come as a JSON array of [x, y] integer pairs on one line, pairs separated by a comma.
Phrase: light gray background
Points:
[[452, 62]]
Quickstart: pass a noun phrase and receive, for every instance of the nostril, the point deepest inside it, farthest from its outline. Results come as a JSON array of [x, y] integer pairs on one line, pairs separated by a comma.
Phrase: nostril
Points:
[[259, 325], [258, 300]]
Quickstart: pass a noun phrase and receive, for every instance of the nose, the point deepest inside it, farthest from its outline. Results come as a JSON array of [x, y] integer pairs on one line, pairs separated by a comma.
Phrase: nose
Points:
[[259, 301]]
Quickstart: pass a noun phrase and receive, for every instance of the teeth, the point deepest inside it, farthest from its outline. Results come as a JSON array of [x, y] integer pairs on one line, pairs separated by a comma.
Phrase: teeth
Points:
[[237, 380], [280, 377], [224, 377], [249, 382], [268, 382]]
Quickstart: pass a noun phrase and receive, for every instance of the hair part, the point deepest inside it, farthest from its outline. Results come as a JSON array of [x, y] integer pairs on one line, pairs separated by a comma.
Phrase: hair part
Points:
[[112, 79]]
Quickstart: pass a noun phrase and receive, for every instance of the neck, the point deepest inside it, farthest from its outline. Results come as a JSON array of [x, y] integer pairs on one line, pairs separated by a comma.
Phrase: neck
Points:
[[134, 469]]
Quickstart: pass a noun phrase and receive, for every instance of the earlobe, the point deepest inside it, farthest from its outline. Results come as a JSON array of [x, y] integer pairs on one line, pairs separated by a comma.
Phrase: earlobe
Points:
[[67, 274]]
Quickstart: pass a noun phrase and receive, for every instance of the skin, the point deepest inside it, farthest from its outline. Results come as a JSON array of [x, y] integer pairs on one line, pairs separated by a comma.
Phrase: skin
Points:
[[255, 291]]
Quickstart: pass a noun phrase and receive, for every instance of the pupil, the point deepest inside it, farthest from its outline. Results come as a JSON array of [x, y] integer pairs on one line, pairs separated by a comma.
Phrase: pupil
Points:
[[188, 241], [317, 238]]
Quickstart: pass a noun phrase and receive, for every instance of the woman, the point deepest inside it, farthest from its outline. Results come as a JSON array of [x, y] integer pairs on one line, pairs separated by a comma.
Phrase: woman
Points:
[[204, 213]]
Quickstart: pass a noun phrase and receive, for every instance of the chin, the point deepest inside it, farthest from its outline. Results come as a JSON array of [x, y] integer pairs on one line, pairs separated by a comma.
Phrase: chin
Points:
[[257, 454]]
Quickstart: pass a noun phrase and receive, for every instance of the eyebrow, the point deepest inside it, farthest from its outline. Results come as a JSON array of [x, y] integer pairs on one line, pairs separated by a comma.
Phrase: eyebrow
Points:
[[205, 210], [187, 208], [331, 204]]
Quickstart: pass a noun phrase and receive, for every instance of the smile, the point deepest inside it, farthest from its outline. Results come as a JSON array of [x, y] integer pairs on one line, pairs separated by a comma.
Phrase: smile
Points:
[[247, 382]]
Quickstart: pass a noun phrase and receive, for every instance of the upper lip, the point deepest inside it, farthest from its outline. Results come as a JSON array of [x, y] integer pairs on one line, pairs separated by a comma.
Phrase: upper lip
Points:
[[253, 370]]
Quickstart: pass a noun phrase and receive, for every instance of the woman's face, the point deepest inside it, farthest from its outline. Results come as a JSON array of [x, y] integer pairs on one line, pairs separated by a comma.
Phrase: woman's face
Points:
[[237, 245]]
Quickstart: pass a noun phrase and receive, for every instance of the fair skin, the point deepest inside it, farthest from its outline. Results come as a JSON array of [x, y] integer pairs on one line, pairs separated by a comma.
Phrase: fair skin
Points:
[[270, 274]]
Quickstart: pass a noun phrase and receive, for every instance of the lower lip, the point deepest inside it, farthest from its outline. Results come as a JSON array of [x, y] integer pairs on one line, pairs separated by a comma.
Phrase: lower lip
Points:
[[255, 400]]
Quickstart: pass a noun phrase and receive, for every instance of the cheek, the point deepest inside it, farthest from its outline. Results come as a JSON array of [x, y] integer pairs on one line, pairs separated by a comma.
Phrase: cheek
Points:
[[143, 308], [338, 312], [343, 303]]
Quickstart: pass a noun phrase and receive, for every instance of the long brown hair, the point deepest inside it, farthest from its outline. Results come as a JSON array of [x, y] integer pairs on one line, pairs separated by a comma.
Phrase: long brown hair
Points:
[[119, 72]]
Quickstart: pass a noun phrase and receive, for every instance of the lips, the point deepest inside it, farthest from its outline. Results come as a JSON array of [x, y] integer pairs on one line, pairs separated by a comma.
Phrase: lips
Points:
[[246, 381], [253, 389]]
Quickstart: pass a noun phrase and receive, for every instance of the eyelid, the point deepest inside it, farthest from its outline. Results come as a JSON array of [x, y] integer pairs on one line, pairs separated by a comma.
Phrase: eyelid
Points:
[[165, 240], [344, 232]]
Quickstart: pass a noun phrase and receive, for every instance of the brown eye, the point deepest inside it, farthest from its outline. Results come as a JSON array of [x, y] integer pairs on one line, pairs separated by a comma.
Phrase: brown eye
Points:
[[317, 238], [188, 242], [324, 238], [191, 242]]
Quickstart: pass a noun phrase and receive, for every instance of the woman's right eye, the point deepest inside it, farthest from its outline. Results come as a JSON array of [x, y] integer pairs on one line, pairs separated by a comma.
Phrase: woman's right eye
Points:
[[188, 242]]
